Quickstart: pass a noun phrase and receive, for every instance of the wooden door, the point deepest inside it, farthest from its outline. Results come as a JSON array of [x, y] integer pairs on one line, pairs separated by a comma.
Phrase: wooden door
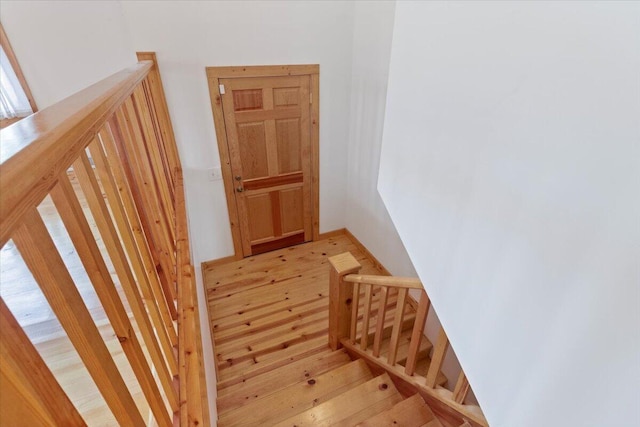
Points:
[[268, 136]]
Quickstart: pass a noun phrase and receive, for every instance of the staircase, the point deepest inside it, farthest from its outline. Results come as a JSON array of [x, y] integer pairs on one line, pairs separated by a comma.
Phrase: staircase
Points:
[[270, 327], [327, 389]]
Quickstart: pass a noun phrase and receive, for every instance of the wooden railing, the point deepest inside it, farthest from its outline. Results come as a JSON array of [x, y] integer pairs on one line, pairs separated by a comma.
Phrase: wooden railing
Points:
[[115, 138], [351, 322]]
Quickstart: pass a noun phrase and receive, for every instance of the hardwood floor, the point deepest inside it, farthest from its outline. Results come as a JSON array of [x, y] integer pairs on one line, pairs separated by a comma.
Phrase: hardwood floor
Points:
[[271, 309], [269, 320]]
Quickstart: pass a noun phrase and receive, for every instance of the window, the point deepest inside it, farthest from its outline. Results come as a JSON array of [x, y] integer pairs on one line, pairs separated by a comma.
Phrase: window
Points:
[[15, 98]]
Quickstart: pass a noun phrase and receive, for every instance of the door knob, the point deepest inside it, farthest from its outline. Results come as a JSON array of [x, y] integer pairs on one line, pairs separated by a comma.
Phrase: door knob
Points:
[[238, 178], [239, 189]]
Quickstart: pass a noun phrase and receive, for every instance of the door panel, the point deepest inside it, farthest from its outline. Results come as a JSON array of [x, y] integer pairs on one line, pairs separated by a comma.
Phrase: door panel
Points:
[[268, 134], [260, 208], [288, 140], [292, 211], [252, 144]]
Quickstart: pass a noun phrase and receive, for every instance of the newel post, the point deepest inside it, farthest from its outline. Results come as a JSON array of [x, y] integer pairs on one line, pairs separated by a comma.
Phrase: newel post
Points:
[[340, 297]]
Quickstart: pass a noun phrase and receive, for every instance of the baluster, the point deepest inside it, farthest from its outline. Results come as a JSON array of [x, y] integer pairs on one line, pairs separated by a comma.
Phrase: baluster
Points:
[[397, 326], [119, 182], [139, 167], [364, 338], [461, 389], [126, 221], [340, 297], [43, 259], [156, 92], [118, 257], [144, 205], [438, 358], [30, 393], [417, 333], [152, 147], [382, 311], [354, 312], [80, 233]]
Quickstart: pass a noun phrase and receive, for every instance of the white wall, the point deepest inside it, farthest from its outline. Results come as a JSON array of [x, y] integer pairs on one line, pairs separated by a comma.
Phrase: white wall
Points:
[[511, 167], [188, 36], [366, 215], [65, 46]]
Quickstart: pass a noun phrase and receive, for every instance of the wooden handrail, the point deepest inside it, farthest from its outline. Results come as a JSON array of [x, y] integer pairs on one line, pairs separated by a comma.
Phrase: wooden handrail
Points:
[[117, 137], [390, 281], [37, 149], [350, 319]]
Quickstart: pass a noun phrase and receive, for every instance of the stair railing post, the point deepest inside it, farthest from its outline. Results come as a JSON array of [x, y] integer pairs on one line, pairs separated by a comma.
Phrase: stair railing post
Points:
[[340, 297]]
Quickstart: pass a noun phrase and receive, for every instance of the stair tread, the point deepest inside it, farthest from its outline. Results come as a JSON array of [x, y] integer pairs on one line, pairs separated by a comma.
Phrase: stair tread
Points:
[[298, 397], [411, 412], [260, 364], [270, 382], [351, 407]]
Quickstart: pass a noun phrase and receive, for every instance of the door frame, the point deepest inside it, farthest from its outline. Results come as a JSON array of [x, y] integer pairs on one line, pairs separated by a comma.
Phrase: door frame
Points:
[[214, 74]]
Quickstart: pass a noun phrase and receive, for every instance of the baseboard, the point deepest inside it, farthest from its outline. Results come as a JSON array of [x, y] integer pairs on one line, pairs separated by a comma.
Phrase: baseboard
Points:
[[334, 233], [383, 270], [219, 261]]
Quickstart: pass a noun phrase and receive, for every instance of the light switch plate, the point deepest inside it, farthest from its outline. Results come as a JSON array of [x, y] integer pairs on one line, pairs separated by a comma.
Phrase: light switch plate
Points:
[[214, 174]]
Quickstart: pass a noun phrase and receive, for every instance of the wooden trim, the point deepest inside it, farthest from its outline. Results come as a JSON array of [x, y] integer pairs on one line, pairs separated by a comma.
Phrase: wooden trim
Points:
[[315, 153], [194, 403], [258, 184], [329, 234], [294, 239], [366, 251], [225, 164], [262, 71], [42, 146], [214, 75], [216, 262], [13, 60]]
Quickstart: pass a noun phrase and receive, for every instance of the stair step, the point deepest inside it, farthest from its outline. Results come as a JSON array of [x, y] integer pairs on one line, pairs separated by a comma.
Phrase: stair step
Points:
[[257, 365], [411, 412], [257, 387], [299, 397], [351, 407]]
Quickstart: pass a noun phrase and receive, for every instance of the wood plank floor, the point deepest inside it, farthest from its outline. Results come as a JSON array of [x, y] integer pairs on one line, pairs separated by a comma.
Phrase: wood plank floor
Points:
[[270, 310]]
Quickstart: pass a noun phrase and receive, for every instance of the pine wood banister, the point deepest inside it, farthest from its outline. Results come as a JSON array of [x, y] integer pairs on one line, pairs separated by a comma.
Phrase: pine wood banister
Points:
[[38, 148], [399, 344], [392, 281], [107, 158]]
